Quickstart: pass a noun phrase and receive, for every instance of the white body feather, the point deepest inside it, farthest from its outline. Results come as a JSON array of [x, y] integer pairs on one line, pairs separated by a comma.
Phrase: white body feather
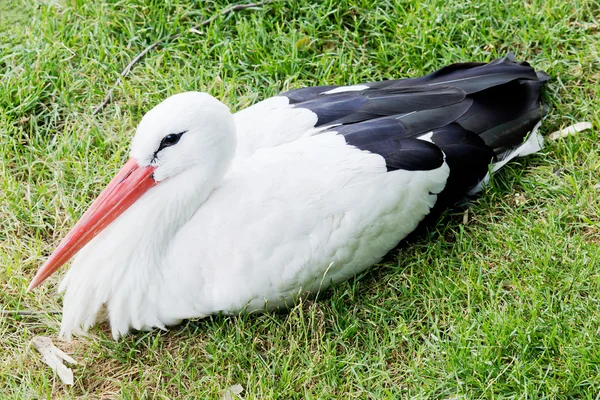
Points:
[[288, 215]]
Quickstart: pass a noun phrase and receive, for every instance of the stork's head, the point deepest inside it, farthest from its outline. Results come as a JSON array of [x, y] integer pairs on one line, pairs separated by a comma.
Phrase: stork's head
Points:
[[184, 130], [187, 130]]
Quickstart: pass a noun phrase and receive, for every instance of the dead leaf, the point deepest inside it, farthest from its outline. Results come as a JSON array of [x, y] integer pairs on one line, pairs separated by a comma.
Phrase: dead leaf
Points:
[[520, 199], [233, 392], [571, 130], [53, 357], [303, 43], [587, 26], [328, 45], [465, 220]]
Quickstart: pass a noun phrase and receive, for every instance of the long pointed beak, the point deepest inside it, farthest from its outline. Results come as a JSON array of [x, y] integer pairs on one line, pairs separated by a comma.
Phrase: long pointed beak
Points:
[[130, 183]]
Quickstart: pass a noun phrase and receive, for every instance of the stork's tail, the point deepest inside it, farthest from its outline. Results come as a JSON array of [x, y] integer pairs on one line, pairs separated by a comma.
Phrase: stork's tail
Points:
[[506, 115]]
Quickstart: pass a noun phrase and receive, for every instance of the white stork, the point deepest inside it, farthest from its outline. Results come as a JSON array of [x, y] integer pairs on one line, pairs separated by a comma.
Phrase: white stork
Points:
[[220, 212]]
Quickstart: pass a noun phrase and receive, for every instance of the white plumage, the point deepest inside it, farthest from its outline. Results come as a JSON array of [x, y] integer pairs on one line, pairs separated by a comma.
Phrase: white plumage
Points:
[[217, 212], [281, 222]]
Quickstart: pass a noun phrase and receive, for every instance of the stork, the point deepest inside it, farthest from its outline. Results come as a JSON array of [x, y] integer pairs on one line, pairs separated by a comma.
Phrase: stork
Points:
[[221, 212]]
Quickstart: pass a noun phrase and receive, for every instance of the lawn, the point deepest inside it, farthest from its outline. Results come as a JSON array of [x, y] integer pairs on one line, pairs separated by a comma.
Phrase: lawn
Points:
[[506, 305]]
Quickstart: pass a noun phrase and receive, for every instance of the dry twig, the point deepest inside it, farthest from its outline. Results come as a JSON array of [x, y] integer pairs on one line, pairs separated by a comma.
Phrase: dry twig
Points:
[[28, 313], [136, 59], [571, 130]]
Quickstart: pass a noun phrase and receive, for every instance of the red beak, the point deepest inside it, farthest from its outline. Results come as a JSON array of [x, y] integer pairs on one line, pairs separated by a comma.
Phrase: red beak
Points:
[[130, 183]]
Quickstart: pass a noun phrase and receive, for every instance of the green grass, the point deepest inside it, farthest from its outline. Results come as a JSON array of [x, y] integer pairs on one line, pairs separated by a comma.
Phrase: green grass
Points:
[[507, 306]]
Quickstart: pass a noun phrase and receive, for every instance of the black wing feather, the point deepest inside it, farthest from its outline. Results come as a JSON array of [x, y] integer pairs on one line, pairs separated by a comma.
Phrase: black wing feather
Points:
[[352, 107], [409, 125], [407, 154]]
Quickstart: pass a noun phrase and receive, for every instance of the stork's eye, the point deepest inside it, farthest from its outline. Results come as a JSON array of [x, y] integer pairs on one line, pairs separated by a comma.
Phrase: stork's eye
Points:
[[170, 140]]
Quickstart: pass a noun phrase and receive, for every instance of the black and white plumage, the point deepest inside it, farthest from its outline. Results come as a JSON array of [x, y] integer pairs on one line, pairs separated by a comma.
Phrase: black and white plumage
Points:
[[499, 102], [474, 113], [300, 191]]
